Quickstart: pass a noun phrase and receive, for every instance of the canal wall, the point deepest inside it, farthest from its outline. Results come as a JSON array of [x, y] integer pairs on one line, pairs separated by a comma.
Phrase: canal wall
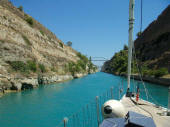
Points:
[[160, 81], [19, 84]]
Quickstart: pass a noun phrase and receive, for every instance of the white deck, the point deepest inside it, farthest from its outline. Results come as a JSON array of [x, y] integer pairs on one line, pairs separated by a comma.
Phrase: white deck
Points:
[[147, 109]]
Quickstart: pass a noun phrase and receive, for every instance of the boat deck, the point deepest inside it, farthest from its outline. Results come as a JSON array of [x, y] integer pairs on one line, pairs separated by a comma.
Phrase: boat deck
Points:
[[147, 109]]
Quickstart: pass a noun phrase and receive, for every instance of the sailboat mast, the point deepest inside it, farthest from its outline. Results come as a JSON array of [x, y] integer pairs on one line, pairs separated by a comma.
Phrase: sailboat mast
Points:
[[130, 43]]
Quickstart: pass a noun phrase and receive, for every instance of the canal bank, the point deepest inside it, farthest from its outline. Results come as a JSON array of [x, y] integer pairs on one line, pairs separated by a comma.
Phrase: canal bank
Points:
[[165, 81], [161, 81], [20, 84]]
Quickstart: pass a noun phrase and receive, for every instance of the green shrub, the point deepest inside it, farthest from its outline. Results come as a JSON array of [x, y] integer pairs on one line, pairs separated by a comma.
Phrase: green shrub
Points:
[[66, 68], [5, 17], [81, 64], [53, 69], [23, 67], [145, 72], [148, 72], [26, 40], [49, 38], [61, 44], [90, 67], [20, 8], [94, 68], [82, 57], [79, 54], [3, 41], [160, 72], [32, 65], [139, 34], [77, 68], [119, 62], [71, 67], [125, 47], [42, 68], [42, 32], [19, 66], [29, 20]]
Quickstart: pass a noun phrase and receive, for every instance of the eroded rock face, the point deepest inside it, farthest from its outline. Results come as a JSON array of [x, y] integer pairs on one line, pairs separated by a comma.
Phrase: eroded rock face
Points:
[[16, 85], [15, 47], [153, 46], [43, 45], [30, 83], [26, 86], [79, 75], [19, 41], [23, 84], [55, 79], [5, 84]]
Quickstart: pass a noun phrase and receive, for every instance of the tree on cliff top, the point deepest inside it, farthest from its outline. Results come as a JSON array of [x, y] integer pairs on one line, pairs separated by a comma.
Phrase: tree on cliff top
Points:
[[69, 43], [125, 47], [20, 8]]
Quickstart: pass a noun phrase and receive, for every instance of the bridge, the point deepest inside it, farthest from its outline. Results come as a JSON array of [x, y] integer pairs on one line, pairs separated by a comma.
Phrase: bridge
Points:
[[99, 59]]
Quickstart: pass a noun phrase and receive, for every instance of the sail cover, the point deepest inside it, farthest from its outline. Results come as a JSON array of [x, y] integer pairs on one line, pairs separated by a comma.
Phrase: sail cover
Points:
[[132, 119]]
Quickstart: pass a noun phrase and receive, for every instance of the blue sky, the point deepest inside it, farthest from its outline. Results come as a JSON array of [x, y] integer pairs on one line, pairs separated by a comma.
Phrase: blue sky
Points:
[[97, 28]]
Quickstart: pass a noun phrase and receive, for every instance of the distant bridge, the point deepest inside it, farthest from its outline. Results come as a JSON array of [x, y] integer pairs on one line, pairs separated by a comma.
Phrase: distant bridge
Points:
[[99, 59]]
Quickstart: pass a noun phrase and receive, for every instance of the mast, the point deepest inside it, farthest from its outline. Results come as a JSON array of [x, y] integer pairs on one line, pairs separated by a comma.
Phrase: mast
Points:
[[130, 43]]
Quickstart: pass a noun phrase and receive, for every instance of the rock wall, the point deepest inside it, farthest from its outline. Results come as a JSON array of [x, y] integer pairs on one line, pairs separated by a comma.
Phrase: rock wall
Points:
[[162, 81], [41, 47], [19, 84], [22, 41], [153, 46], [152, 49]]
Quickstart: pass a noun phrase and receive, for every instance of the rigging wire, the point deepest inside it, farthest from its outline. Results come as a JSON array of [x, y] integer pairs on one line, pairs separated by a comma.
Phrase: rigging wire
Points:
[[134, 54], [141, 22], [133, 72], [140, 76], [137, 64], [134, 57]]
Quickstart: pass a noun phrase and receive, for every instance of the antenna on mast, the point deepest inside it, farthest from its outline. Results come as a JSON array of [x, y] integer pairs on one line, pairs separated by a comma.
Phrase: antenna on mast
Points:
[[130, 42]]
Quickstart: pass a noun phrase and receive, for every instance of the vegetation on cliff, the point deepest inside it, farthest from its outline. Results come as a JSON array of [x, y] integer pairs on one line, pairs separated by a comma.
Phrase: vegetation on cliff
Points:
[[152, 51], [27, 67], [118, 65], [82, 65]]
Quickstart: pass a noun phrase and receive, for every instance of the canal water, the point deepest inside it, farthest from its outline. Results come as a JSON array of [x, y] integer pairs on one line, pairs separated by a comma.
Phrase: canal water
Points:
[[47, 105]]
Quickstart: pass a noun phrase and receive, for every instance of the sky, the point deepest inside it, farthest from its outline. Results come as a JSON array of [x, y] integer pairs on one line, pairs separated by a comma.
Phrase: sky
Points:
[[97, 28]]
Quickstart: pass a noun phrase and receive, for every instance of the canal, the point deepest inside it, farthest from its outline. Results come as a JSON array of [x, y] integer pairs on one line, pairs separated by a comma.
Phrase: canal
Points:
[[47, 105]]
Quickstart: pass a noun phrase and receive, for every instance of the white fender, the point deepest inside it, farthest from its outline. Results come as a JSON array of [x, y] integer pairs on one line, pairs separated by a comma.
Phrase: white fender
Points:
[[113, 109]]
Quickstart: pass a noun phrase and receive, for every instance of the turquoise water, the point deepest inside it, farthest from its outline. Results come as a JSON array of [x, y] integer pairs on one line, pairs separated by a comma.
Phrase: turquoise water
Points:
[[46, 106]]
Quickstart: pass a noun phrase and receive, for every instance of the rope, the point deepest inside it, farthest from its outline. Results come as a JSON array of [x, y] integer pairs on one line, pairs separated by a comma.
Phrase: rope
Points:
[[133, 70], [135, 104], [145, 111]]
